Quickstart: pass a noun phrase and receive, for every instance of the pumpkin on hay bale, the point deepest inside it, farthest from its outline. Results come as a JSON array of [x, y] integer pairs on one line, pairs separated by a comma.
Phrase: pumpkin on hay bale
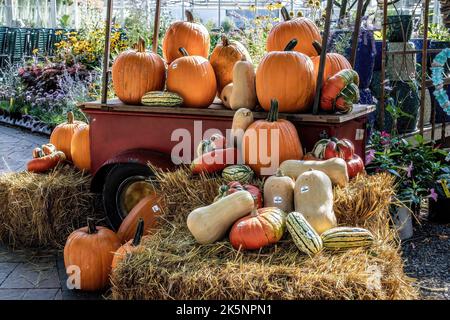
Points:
[[171, 265], [41, 210]]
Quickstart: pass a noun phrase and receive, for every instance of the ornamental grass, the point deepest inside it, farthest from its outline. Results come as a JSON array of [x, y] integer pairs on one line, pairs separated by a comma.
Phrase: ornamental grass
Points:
[[41, 210], [171, 265]]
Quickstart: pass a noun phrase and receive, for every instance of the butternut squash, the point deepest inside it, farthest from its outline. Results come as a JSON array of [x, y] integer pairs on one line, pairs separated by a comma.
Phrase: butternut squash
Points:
[[313, 197], [335, 168], [209, 224], [226, 94], [279, 192], [243, 94], [242, 119]]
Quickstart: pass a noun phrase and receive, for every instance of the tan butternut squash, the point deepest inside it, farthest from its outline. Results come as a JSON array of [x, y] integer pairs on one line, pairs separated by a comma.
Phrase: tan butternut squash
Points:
[[313, 197], [279, 192], [226, 94], [335, 168], [242, 119], [244, 86], [209, 224]]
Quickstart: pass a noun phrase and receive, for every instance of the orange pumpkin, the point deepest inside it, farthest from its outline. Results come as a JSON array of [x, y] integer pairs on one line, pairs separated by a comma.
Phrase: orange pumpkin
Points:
[[90, 251], [223, 58], [136, 72], [261, 228], [192, 77], [61, 136], [264, 155], [147, 209], [80, 148], [287, 76], [302, 29], [192, 36], [334, 62], [128, 247]]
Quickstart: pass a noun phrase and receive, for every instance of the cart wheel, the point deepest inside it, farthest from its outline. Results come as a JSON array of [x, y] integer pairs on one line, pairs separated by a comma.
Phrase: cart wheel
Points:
[[125, 185]]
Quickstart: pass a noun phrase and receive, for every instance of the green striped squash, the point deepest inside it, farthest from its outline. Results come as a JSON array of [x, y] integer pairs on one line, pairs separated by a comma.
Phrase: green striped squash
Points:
[[161, 99], [239, 172], [346, 237], [304, 236]]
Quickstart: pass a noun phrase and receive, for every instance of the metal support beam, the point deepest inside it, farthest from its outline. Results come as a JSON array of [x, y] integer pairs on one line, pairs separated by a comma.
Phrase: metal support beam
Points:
[[356, 32], [105, 78], [424, 72], [156, 26], [383, 64]]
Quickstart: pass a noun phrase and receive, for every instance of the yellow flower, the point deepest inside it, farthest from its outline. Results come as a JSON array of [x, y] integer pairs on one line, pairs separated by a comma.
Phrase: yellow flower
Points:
[[252, 7], [58, 33], [299, 14], [35, 51]]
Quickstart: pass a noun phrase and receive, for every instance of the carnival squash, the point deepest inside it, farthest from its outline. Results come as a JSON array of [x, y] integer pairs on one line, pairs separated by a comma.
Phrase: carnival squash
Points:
[[209, 224], [235, 186], [334, 62], [225, 95], [242, 119], [61, 136], [128, 247], [238, 172], [342, 238], [340, 91], [279, 192], [303, 234], [81, 149], [244, 85]]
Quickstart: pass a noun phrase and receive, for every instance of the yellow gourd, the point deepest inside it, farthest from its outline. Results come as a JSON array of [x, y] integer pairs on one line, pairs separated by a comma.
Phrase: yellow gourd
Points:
[[244, 86], [226, 94], [279, 192]]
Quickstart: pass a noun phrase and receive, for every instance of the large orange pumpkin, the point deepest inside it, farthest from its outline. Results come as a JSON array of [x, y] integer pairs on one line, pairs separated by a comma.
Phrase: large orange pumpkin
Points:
[[90, 250], [192, 77], [136, 72], [264, 155], [80, 148], [302, 29], [287, 76], [334, 62], [192, 36], [224, 57], [61, 136], [128, 247]]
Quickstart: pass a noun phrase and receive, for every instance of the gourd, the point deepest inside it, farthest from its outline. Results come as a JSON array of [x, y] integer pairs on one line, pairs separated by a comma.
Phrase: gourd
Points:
[[225, 95], [243, 94], [279, 192], [216, 141], [61, 136], [238, 172], [214, 161], [46, 162], [192, 77], [80, 148], [303, 234], [135, 72], [161, 98], [91, 249], [335, 169], [288, 77], [223, 58], [301, 28], [340, 92], [261, 228], [209, 224], [334, 62], [128, 247], [347, 237], [256, 154], [235, 186], [192, 36], [313, 197], [148, 209], [242, 119]]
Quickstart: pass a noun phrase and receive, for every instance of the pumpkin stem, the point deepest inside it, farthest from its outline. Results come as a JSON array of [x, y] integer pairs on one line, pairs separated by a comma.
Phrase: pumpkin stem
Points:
[[254, 212], [70, 117], [317, 46], [225, 41], [189, 16], [244, 58], [285, 14], [183, 51], [140, 46], [291, 45], [92, 229], [273, 112], [279, 173], [139, 232]]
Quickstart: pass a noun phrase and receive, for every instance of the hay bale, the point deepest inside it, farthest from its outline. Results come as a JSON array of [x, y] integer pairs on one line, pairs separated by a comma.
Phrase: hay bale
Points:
[[40, 210], [171, 265]]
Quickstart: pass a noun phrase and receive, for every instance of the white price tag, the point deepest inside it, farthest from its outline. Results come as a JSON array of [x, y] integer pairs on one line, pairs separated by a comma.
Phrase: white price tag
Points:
[[304, 189], [277, 200], [359, 134], [155, 208]]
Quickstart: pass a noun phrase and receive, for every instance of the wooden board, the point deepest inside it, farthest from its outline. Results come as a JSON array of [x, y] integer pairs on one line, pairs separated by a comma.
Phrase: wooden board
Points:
[[217, 109]]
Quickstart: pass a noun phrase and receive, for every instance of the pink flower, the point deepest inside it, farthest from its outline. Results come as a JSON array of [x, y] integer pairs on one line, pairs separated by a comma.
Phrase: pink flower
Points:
[[370, 156], [433, 195], [384, 134], [409, 170]]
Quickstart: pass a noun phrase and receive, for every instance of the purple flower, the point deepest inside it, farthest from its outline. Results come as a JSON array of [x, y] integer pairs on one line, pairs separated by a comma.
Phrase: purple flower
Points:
[[409, 170], [433, 195], [370, 156]]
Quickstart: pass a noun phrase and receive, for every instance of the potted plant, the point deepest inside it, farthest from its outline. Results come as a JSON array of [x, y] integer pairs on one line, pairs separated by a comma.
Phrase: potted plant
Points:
[[399, 25]]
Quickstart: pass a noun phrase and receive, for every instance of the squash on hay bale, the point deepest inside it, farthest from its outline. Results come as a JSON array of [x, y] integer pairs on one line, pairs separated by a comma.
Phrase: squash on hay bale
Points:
[[171, 265], [41, 210]]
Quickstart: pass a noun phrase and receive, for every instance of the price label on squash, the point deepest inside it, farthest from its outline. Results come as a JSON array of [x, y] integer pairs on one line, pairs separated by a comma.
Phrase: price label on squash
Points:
[[155, 208], [277, 200], [304, 189]]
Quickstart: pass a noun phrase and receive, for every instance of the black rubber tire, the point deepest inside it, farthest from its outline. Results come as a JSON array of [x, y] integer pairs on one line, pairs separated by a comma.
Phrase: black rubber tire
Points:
[[114, 179]]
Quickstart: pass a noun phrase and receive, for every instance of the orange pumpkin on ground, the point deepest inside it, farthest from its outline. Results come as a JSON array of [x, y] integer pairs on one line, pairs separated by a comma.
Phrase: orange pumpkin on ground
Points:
[[287, 76], [264, 155], [192, 36], [302, 29], [61, 136], [224, 57], [136, 72], [80, 148], [192, 77], [90, 251], [334, 62], [128, 247]]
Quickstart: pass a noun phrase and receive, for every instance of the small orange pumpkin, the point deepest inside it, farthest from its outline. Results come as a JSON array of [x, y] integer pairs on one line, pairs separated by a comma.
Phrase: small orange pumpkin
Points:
[[128, 247], [61, 136], [192, 77], [192, 36], [302, 29], [80, 148], [224, 57], [136, 72], [334, 62]]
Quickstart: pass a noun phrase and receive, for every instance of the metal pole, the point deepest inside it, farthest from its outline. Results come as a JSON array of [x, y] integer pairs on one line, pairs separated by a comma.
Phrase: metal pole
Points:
[[356, 32], [156, 26], [423, 87], [383, 64], [219, 7], [53, 13], [323, 54], [105, 78]]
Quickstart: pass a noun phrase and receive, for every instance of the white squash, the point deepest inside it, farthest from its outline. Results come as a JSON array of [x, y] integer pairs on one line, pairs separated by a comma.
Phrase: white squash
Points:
[[244, 86], [209, 224], [279, 192], [225, 95], [242, 119], [313, 197]]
